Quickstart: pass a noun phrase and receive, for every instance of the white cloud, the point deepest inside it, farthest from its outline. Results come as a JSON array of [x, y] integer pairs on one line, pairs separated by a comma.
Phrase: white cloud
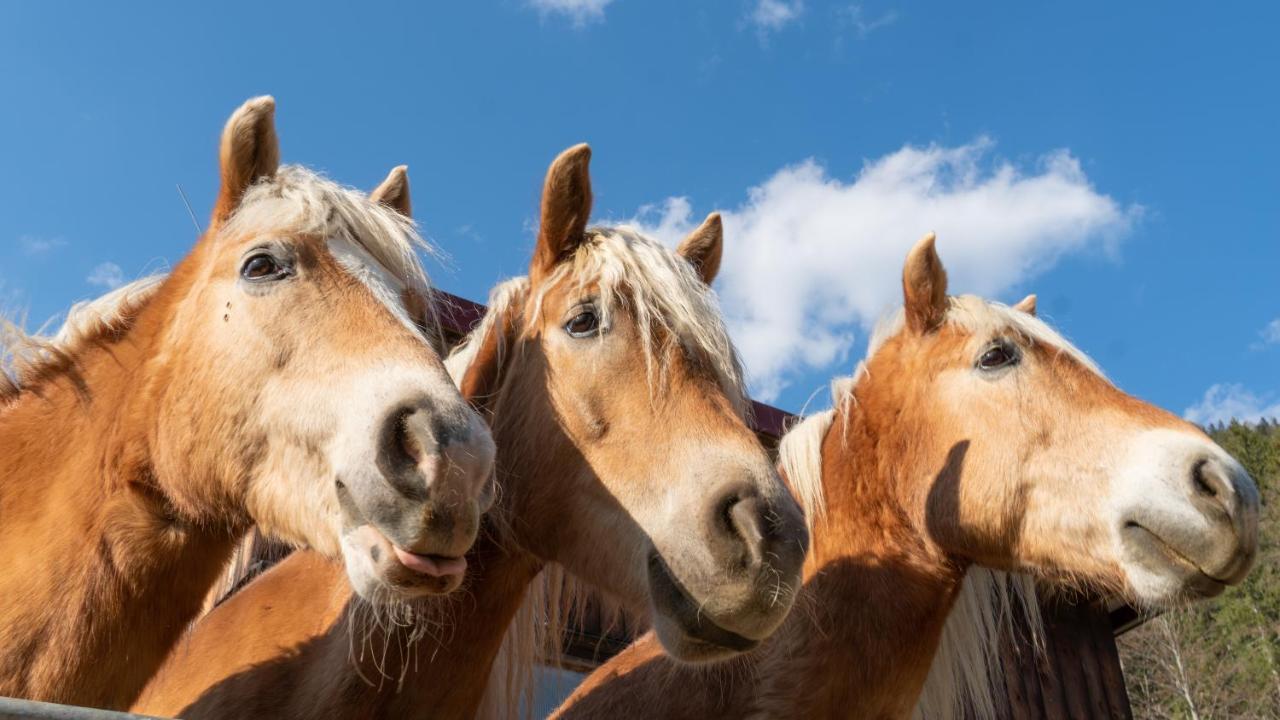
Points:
[[772, 15], [580, 12], [1227, 401], [1271, 333], [856, 16], [107, 274], [812, 259], [33, 246]]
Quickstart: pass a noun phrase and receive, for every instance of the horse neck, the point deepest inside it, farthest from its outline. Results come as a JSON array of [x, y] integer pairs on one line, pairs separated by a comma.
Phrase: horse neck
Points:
[[329, 656], [100, 565], [876, 595], [448, 677], [454, 682]]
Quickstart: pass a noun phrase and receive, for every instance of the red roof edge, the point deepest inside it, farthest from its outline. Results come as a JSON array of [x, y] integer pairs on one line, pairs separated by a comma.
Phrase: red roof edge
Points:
[[459, 315]]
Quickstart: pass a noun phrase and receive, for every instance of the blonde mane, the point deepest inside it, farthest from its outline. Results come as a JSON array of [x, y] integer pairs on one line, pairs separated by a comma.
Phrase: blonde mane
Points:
[[503, 299], [800, 455], [965, 673], [298, 201], [31, 356], [984, 317], [663, 292], [294, 201]]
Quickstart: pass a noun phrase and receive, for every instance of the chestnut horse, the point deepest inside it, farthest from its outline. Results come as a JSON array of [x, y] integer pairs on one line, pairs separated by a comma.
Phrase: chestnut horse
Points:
[[281, 376], [973, 436], [617, 405]]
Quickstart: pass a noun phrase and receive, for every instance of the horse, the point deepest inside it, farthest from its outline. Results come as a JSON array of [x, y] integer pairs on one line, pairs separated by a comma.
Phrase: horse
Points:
[[617, 404], [973, 441], [283, 375]]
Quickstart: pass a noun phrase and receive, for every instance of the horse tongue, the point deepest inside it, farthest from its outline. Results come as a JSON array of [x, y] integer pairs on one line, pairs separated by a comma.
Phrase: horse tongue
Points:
[[433, 565]]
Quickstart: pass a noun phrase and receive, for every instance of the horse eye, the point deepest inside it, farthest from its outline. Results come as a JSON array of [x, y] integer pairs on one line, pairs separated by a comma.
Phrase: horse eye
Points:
[[1001, 354], [262, 267], [584, 324]]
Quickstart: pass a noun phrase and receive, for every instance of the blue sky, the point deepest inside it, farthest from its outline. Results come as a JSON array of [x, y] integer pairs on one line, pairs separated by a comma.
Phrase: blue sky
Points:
[[1118, 159]]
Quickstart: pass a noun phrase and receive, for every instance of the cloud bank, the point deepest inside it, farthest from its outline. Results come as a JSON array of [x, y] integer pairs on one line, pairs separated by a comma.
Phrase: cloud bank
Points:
[[33, 246], [862, 23], [811, 260], [1225, 402], [580, 12], [772, 15], [1271, 333], [107, 275]]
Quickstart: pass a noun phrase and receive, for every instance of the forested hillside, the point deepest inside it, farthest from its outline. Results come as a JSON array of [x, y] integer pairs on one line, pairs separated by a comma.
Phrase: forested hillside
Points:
[[1220, 659]]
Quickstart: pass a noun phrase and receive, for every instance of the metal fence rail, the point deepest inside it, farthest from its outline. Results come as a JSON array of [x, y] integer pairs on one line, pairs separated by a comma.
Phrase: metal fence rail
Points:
[[14, 709]]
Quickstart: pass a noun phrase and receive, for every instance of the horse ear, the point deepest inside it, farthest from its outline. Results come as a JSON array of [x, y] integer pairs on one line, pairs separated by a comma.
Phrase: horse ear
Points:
[[394, 191], [249, 151], [566, 206], [1027, 305], [704, 247], [924, 287]]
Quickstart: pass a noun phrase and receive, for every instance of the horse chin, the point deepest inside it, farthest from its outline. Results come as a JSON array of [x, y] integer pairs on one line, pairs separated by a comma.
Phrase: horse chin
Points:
[[1159, 576], [687, 633], [686, 647], [378, 576]]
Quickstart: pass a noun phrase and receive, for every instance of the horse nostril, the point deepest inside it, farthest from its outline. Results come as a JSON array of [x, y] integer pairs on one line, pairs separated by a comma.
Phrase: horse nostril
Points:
[[1209, 481], [746, 521], [406, 437], [724, 512], [406, 441], [746, 518]]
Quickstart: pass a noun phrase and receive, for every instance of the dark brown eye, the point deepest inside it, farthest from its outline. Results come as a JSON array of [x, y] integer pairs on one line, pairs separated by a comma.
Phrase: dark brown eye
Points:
[[1001, 354], [584, 324], [262, 267]]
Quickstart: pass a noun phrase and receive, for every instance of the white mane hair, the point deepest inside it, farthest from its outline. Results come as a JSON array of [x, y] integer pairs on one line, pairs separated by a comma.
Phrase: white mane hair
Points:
[[800, 455], [29, 354], [965, 672], [553, 600], [661, 290], [294, 201], [503, 299], [386, 243], [89, 317], [984, 317]]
